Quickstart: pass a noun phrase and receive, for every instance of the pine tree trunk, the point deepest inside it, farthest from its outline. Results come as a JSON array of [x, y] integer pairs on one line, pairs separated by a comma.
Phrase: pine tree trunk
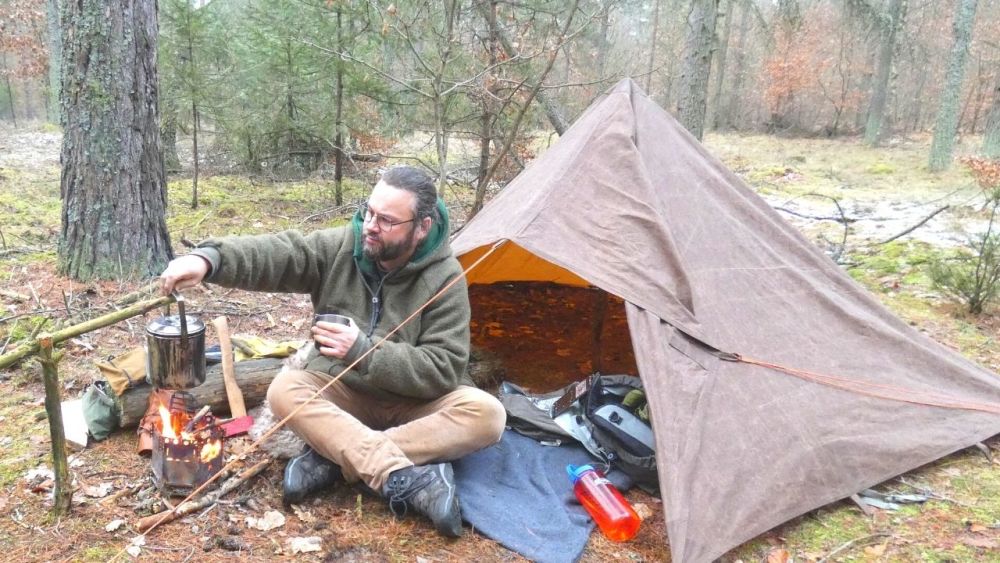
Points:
[[168, 135], [717, 111], [486, 118], [991, 135], [338, 165], [113, 190], [652, 44], [733, 99], [947, 119], [195, 122], [55, 46], [10, 91], [880, 94], [693, 89]]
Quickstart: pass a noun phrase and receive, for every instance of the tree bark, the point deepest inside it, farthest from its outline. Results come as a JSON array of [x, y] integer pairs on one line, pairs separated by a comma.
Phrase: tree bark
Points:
[[168, 135], [693, 88], [733, 99], [10, 91], [991, 135], [880, 93], [253, 377], [652, 44], [716, 109], [487, 103], [947, 119], [338, 163], [113, 182], [55, 47]]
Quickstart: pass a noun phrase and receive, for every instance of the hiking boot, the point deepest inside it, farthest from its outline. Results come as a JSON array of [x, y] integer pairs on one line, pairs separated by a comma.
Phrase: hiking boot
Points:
[[431, 491], [307, 474]]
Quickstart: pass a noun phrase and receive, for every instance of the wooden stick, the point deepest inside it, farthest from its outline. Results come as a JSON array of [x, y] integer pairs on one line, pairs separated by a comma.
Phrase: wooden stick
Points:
[[27, 349], [148, 523], [237, 407], [63, 493]]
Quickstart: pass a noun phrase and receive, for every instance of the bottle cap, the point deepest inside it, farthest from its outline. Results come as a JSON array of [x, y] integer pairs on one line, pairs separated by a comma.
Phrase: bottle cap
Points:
[[575, 472]]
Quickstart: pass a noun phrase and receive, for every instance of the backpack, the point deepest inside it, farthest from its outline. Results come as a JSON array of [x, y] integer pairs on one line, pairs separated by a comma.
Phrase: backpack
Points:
[[604, 413]]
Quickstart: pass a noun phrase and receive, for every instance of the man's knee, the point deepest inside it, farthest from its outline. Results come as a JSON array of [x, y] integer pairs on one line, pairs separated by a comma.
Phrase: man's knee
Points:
[[491, 418], [282, 391]]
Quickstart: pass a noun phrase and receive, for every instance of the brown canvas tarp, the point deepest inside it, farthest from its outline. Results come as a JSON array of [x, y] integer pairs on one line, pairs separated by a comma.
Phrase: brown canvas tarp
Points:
[[629, 202]]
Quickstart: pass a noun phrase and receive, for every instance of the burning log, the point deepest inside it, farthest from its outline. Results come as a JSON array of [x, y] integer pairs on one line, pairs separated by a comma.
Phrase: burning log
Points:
[[188, 507], [253, 376]]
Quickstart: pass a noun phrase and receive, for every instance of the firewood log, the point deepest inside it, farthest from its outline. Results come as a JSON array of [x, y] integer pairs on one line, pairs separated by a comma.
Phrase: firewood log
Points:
[[253, 377]]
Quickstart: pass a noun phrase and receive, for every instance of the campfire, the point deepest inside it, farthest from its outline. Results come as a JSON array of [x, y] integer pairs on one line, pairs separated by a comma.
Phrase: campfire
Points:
[[187, 445]]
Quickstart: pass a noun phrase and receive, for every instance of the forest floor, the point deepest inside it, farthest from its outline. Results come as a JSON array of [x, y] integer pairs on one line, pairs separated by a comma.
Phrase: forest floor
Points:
[[883, 191]]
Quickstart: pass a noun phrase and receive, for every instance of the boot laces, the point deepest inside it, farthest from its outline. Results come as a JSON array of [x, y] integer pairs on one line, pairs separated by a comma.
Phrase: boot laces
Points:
[[402, 488]]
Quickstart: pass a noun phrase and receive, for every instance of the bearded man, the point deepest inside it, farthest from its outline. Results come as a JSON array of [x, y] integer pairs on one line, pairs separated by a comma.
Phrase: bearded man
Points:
[[407, 408]]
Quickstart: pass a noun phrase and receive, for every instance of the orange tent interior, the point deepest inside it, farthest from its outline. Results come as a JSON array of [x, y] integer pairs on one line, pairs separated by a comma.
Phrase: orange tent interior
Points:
[[546, 326]]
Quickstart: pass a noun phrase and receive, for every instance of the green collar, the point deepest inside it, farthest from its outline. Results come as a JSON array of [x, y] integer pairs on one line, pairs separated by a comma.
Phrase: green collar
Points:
[[439, 231]]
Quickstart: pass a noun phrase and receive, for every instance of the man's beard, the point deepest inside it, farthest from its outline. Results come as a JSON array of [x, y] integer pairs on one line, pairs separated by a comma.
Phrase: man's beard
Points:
[[388, 251]]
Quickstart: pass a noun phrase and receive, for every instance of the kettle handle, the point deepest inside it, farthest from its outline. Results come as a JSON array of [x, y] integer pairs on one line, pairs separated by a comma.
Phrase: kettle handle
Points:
[[180, 309]]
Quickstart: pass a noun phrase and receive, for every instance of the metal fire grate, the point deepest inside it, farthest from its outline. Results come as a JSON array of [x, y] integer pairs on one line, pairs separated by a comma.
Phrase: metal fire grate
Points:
[[182, 461]]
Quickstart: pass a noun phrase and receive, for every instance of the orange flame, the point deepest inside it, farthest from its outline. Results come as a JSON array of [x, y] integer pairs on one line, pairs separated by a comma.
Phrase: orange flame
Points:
[[167, 429], [211, 450]]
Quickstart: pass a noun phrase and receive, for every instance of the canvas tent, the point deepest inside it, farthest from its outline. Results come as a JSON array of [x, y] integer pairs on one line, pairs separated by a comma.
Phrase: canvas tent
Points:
[[629, 202]]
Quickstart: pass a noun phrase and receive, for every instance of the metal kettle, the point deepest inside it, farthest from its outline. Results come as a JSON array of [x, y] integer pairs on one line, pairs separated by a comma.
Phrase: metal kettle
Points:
[[175, 350]]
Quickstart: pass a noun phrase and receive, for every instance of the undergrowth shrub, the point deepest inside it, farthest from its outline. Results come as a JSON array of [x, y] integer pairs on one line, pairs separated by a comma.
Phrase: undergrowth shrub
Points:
[[971, 275]]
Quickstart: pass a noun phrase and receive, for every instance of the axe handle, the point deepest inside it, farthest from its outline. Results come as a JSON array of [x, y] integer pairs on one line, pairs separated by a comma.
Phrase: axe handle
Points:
[[236, 406]]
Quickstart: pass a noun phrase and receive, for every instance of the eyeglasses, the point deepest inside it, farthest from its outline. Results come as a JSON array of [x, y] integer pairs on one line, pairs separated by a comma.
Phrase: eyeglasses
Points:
[[384, 223]]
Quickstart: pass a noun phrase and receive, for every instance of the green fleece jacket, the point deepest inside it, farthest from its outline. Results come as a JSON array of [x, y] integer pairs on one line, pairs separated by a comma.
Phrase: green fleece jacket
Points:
[[425, 359]]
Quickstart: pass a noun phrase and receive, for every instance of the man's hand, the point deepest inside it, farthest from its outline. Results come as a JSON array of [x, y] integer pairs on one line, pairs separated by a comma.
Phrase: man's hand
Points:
[[334, 339], [183, 272]]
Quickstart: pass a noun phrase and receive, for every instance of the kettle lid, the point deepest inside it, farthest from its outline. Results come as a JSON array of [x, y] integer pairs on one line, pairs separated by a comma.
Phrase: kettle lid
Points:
[[171, 326]]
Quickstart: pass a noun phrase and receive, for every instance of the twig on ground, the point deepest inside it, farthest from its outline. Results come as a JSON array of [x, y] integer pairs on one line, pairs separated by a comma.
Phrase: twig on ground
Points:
[[150, 522], [333, 210], [848, 544], [20, 250], [35, 295], [126, 492], [13, 295], [29, 313], [915, 227], [815, 217]]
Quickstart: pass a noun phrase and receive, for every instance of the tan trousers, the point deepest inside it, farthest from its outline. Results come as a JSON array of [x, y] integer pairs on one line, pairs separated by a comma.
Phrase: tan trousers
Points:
[[370, 438]]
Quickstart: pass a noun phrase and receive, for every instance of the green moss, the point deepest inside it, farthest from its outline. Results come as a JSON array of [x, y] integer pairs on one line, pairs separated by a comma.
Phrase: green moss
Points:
[[99, 552], [880, 168]]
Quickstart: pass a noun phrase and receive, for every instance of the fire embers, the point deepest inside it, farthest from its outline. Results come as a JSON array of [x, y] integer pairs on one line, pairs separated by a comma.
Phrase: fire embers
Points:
[[187, 449]]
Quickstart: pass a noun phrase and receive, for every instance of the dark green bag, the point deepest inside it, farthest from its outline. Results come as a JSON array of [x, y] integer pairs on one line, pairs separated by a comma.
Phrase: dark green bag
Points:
[[100, 410]]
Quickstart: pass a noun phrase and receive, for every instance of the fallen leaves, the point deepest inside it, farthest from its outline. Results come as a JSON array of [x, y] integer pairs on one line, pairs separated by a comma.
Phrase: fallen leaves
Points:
[[304, 515], [778, 555], [304, 545], [114, 525], [97, 491], [272, 519]]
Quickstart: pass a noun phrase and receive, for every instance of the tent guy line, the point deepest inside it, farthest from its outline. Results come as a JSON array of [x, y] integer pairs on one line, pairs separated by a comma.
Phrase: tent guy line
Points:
[[876, 390]]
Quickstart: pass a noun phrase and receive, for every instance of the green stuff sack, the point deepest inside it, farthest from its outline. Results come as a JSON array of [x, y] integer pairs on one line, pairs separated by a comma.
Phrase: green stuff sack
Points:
[[100, 410]]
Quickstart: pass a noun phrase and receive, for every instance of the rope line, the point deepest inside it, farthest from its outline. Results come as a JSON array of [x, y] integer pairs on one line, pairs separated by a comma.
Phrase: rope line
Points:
[[278, 425], [876, 390]]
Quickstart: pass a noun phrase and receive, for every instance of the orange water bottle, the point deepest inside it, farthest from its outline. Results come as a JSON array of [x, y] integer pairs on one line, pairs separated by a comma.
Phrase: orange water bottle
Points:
[[609, 509]]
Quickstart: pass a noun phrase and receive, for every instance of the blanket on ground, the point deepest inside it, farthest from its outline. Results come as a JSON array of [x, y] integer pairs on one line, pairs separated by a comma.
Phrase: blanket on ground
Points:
[[517, 492]]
